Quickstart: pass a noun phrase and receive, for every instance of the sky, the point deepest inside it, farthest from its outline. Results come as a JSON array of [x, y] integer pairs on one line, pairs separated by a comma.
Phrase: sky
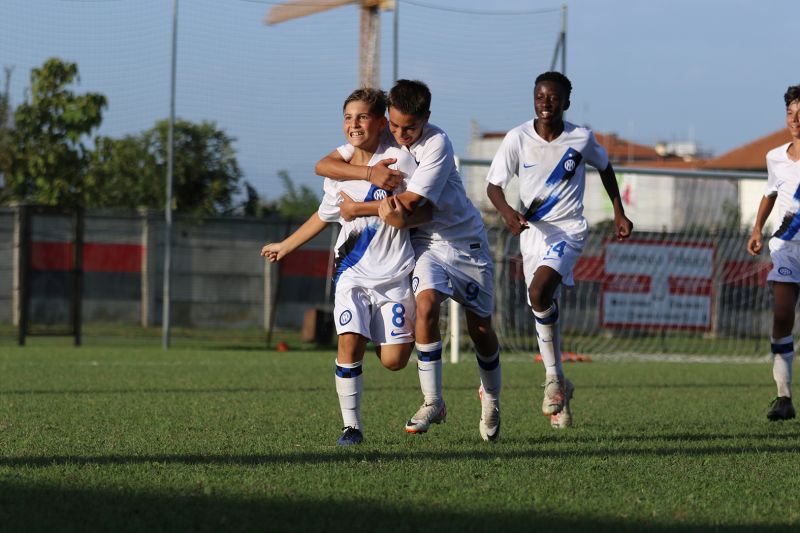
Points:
[[712, 71]]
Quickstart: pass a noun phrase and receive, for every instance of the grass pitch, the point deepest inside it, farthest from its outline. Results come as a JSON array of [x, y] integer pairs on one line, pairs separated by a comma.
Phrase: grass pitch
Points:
[[122, 438]]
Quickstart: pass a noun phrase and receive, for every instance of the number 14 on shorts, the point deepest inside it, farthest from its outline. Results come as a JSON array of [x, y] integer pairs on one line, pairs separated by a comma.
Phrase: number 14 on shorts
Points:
[[557, 249]]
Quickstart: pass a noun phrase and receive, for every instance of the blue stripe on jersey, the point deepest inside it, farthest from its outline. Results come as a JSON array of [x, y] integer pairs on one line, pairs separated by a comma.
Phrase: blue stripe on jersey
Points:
[[543, 208], [376, 193], [563, 171], [566, 167], [791, 222], [357, 252], [789, 227]]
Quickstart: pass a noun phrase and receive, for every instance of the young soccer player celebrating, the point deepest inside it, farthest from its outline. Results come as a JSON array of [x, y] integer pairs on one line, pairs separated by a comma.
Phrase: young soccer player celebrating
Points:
[[783, 185], [373, 299], [549, 155], [452, 252]]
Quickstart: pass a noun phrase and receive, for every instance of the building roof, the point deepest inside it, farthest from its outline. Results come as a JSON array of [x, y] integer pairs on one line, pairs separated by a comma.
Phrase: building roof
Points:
[[622, 150], [751, 156]]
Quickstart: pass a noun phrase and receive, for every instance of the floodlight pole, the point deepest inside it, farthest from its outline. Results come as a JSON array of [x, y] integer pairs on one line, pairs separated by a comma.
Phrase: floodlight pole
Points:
[[165, 312], [396, 41], [561, 43], [564, 39]]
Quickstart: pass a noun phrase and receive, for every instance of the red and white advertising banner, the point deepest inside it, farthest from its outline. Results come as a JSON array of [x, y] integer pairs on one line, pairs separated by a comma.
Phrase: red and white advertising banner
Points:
[[657, 284]]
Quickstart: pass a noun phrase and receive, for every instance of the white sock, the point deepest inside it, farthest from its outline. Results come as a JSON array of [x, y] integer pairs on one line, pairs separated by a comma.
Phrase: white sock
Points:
[[429, 368], [547, 333], [489, 368], [349, 387], [782, 356]]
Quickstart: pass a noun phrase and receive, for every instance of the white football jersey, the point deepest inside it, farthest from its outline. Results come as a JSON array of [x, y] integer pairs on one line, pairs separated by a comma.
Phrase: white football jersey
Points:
[[552, 175], [369, 253], [455, 219], [783, 179]]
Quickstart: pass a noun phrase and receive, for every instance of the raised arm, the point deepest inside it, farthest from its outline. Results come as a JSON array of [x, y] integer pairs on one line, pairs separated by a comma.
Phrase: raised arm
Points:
[[310, 229], [335, 167], [514, 220], [755, 243], [622, 224]]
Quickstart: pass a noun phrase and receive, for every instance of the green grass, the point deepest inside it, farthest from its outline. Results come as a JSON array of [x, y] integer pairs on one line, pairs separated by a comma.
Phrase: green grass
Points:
[[116, 438], [126, 335], [625, 342]]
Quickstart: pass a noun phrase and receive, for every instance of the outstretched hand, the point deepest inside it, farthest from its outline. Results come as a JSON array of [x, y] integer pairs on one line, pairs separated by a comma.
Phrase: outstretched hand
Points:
[[384, 177], [272, 251]]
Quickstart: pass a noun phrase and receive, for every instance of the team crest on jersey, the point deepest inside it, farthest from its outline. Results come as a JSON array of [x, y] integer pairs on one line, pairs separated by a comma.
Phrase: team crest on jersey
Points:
[[414, 283], [569, 165], [345, 317], [376, 193], [783, 271]]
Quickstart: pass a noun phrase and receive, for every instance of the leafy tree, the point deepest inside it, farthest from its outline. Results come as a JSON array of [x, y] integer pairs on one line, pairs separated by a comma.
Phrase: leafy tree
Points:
[[296, 202], [132, 170], [123, 174], [47, 159], [252, 205]]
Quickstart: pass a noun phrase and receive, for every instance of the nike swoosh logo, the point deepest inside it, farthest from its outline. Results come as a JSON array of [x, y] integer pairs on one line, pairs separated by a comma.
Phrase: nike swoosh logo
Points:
[[526, 165], [395, 333]]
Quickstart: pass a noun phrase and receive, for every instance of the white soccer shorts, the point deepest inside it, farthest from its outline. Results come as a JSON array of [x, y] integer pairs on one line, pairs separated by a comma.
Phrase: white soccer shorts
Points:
[[557, 249], [785, 261], [465, 273], [384, 314]]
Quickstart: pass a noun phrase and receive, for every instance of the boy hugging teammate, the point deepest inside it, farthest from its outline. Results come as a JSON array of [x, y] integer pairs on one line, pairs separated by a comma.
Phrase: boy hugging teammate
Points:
[[550, 155], [452, 252], [373, 261]]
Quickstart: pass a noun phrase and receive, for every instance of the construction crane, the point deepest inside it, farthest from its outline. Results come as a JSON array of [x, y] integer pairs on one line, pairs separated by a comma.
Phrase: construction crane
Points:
[[369, 35]]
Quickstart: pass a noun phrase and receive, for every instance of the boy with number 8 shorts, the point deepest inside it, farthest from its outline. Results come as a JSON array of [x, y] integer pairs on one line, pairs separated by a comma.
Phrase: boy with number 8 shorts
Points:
[[783, 185], [549, 155], [452, 251], [373, 261]]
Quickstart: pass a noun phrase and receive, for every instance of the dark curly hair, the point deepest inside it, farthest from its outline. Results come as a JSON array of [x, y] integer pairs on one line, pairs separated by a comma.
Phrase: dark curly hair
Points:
[[792, 95], [410, 97], [556, 77]]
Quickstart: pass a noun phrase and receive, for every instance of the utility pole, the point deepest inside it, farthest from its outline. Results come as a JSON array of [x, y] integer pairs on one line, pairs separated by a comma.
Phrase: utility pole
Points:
[[165, 304], [561, 43]]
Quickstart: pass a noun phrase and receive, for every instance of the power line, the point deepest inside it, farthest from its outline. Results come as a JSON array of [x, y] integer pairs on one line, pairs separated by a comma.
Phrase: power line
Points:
[[425, 5], [480, 12], [409, 2]]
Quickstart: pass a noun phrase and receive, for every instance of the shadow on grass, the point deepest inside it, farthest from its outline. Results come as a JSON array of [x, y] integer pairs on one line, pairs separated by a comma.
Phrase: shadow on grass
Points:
[[790, 435], [394, 387], [55, 508], [664, 446]]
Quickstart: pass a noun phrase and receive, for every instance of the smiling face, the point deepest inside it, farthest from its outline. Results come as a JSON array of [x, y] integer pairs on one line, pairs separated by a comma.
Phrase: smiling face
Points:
[[361, 128], [793, 119], [406, 128], [550, 100]]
